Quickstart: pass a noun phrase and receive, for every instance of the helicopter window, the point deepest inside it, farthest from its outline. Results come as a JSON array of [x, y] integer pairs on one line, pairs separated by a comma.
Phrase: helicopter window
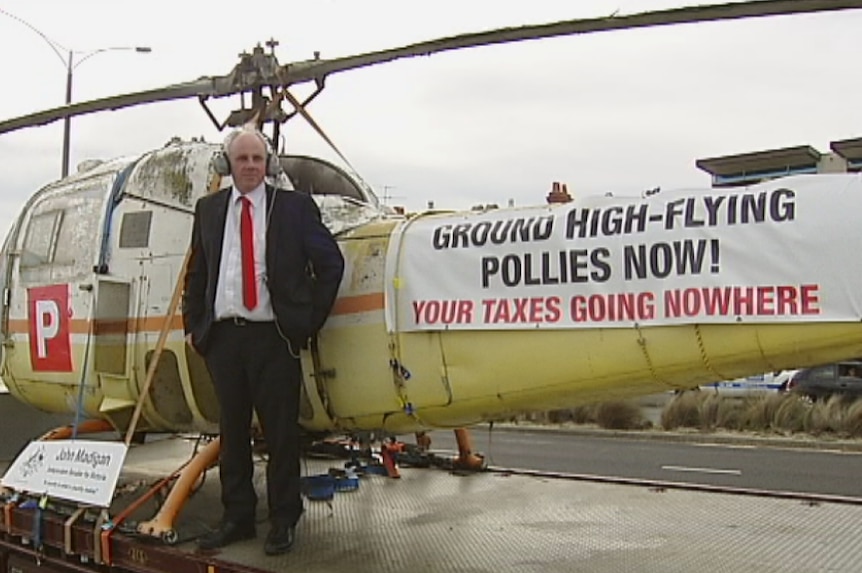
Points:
[[41, 242], [75, 239], [317, 177], [110, 327], [135, 230]]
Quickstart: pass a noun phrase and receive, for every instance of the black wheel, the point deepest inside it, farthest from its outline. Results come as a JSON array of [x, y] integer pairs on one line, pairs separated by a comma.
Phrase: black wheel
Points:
[[170, 537]]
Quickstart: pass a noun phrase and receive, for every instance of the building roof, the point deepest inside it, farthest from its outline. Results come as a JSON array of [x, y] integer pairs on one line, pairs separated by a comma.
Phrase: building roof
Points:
[[850, 149], [787, 159]]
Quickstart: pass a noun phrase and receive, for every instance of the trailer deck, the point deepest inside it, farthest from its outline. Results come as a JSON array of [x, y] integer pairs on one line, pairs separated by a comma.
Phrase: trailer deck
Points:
[[433, 520]]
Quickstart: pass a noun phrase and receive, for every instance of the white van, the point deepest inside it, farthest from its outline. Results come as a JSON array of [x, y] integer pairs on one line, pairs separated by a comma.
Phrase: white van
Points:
[[757, 384]]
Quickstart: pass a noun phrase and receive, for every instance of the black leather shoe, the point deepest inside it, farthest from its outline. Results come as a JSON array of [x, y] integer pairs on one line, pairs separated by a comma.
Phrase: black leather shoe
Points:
[[280, 539], [227, 532]]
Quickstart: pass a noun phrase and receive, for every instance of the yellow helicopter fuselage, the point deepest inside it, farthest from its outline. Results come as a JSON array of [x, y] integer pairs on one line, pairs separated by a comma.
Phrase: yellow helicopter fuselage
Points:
[[93, 261]]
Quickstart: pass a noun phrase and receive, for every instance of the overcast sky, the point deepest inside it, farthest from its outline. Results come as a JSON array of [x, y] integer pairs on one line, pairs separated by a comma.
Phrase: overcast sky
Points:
[[619, 112]]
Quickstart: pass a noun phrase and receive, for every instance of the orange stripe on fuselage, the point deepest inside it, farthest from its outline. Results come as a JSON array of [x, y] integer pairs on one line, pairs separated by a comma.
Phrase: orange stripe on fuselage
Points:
[[343, 306], [358, 303]]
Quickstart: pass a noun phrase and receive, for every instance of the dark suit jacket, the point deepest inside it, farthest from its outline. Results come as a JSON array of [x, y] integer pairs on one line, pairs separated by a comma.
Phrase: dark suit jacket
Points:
[[304, 265]]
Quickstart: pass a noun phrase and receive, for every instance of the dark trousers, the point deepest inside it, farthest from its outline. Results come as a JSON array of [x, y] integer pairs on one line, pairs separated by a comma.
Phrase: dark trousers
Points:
[[251, 367]]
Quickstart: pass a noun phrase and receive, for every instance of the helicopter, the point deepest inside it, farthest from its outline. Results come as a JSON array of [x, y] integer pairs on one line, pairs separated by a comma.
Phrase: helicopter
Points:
[[546, 307]]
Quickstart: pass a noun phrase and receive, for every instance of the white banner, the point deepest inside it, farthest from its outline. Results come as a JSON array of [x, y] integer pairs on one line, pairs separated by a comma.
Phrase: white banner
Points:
[[787, 250], [75, 470]]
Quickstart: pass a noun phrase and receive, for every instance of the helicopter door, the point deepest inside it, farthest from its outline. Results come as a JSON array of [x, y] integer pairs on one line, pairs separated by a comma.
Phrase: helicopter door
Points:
[[51, 293], [6, 265], [149, 246], [111, 327]]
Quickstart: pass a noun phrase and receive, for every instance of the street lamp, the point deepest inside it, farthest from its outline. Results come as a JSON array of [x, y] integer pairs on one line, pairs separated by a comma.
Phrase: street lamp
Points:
[[70, 64]]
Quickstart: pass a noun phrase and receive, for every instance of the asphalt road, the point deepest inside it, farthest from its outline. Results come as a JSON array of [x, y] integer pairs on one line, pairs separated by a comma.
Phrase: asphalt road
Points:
[[20, 423], [776, 469], [770, 468]]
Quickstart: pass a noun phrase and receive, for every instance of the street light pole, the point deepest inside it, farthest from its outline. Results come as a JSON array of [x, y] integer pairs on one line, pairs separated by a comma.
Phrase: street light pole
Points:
[[70, 67], [70, 64], [67, 121]]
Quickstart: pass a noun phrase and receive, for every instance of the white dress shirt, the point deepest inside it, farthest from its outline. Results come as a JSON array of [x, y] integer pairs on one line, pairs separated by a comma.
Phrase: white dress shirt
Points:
[[228, 300]]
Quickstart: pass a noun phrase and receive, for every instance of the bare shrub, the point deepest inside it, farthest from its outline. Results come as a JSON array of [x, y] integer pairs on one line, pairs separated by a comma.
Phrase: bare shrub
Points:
[[708, 411], [619, 415], [559, 416], [771, 404], [585, 414], [790, 414], [754, 416], [753, 413], [818, 419], [836, 408], [779, 412], [683, 411], [729, 414], [853, 419], [534, 417]]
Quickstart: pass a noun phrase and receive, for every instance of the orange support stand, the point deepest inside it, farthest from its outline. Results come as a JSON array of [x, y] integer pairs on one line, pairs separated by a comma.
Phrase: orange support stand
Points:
[[162, 525], [423, 441], [388, 451], [103, 535], [7, 516], [466, 459], [85, 427]]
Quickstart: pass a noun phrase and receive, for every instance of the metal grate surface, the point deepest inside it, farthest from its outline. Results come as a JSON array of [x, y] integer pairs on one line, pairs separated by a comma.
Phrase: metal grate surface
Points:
[[430, 520]]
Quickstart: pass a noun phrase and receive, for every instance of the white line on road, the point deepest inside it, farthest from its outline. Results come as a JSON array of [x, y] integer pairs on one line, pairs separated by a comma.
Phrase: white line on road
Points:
[[702, 470]]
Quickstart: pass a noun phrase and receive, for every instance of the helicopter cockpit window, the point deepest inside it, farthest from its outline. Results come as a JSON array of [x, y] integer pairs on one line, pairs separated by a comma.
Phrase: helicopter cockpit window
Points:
[[41, 242], [62, 236], [79, 230], [317, 177]]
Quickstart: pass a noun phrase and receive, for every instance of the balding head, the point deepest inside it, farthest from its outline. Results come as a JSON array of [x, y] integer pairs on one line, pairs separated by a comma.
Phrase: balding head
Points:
[[246, 151]]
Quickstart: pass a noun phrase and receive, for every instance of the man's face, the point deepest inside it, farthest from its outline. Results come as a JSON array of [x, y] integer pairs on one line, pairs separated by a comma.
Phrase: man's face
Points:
[[247, 156]]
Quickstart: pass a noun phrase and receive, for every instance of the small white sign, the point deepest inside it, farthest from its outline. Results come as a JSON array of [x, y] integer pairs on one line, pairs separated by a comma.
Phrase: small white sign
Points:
[[76, 470]]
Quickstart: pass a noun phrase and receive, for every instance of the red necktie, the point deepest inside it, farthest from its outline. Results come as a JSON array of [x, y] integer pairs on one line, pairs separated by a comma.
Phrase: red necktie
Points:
[[249, 285]]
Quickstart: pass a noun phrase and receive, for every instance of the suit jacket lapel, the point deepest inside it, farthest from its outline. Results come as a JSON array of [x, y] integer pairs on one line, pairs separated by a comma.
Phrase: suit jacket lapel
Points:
[[219, 217], [270, 229]]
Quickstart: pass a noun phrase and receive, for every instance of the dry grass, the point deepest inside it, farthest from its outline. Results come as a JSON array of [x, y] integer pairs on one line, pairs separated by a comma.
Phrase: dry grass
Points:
[[853, 420], [762, 411], [584, 414], [710, 411], [683, 411], [790, 415], [783, 413], [619, 415], [612, 415], [730, 416], [826, 416], [778, 413], [709, 405]]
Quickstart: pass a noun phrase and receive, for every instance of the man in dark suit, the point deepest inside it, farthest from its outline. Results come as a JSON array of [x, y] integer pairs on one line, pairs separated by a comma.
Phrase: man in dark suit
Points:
[[261, 280]]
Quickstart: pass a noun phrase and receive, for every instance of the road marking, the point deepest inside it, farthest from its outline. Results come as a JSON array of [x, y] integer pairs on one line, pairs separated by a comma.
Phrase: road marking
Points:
[[727, 446], [702, 470]]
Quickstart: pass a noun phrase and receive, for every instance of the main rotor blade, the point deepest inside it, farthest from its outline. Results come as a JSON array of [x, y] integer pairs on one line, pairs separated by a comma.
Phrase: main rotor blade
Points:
[[180, 91], [309, 70]]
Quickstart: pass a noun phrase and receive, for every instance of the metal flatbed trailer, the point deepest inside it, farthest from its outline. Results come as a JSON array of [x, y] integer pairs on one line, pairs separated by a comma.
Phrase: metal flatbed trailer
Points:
[[433, 520]]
